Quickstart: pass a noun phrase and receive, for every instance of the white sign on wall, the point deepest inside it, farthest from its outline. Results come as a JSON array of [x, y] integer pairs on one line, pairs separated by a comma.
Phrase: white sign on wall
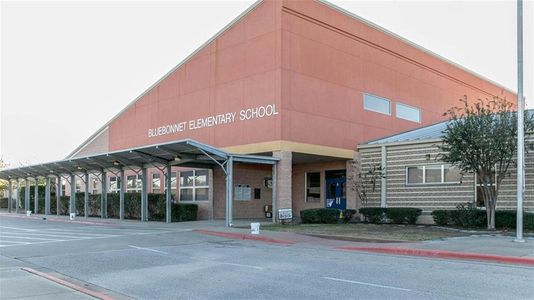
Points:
[[285, 214], [246, 114]]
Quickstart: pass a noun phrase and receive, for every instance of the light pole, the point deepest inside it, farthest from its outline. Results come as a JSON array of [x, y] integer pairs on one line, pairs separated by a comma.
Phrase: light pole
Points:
[[520, 126]]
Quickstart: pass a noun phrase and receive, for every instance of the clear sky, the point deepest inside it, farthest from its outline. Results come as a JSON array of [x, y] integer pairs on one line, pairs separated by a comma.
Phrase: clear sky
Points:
[[68, 67]]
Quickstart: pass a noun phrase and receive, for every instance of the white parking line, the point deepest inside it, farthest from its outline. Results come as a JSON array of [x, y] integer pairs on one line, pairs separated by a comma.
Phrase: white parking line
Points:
[[368, 284], [56, 235], [26, 238], [16, 242], [241, 265], [18, 228], [147, 249]]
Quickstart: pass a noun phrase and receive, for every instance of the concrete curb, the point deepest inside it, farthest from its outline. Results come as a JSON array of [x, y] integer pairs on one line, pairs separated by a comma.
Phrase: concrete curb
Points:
[[444, 254], [244, 236], [73, 286]]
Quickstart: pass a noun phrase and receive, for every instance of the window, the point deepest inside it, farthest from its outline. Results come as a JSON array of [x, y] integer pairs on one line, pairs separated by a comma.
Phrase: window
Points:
[[479, 195], [415, 175], [114, 184], [63, 187], [156, 183], [78, 185], [242, 192], [408, 113], [376, 104], [173, 181], [134, 183], [194, 185], [433, 174], [94, 185], [313, 187]]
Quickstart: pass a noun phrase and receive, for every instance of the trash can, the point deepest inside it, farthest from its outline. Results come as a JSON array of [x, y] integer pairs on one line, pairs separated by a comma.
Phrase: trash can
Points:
[[72, 215], [28, 213], [255, 228]]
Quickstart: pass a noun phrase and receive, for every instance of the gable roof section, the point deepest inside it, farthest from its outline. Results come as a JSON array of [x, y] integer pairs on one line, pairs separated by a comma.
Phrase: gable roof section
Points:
[[241, 16], [184, 61]]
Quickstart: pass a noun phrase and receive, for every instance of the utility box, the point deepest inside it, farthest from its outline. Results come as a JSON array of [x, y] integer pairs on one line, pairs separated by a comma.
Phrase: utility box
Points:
[[268, 210]]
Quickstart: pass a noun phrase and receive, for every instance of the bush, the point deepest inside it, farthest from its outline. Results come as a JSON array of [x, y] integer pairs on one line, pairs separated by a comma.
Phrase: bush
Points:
[[373, 214], [3, 202], [441, 217], [320, 215], [507, 219], [348, 214], [184, 212], [467, 215], [400, 215]]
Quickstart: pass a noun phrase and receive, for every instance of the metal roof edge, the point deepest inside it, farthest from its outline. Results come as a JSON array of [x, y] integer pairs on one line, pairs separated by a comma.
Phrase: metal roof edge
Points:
[[413, 142]]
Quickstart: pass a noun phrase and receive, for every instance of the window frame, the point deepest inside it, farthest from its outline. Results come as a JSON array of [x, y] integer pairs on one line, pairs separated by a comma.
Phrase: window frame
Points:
[[443, 182], [375, 110], [193, 187], [152, 182], [306, 187], [397, 104], [117, 184], [176, 174], [137, 183]]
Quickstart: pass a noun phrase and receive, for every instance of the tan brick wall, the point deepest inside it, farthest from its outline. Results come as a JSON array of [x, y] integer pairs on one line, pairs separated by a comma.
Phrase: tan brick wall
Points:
[[436, 196], [252, 175], [299, 184]]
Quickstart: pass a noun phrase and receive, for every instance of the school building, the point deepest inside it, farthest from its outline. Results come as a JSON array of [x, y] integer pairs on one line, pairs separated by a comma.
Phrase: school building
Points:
[[269, 112]]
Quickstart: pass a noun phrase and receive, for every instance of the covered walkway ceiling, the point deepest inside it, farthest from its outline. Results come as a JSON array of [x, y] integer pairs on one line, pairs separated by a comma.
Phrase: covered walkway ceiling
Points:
[[185, 153]]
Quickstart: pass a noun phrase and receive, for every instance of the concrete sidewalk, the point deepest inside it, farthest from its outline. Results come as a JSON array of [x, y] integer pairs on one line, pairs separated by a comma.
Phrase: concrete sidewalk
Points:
[[16, 283]]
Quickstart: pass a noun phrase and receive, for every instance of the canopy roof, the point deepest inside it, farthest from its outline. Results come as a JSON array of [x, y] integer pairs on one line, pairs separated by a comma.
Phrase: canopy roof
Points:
[[186, 153]]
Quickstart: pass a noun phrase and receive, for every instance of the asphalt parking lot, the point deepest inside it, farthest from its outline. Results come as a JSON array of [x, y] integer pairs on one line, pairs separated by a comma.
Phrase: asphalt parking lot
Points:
[[161, 261]]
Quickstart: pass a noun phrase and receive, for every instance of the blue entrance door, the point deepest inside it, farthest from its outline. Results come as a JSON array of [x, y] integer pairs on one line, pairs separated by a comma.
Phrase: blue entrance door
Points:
[[336, 196]]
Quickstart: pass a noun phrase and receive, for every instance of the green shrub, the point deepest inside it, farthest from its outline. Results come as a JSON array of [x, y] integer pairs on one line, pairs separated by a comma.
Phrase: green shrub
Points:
[[373, 214], [3, 202], [441, 217], [320, 215], [184, 212], [506, 219], [348, 214], [400, 215], [468, 216]]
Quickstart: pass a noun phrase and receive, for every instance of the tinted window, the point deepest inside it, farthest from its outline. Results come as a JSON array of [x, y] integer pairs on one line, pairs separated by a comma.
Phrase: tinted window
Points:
[[376, 104], [408, 113]]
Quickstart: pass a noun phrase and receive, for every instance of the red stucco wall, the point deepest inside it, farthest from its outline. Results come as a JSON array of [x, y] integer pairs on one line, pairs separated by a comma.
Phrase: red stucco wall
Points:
[[311, 61]]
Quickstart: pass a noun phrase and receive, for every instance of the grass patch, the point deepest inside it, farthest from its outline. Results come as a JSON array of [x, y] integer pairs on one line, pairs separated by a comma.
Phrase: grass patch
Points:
[[370, 232]]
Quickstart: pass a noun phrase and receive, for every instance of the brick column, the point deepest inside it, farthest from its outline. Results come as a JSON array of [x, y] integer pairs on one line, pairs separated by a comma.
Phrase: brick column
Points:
[[283, 179], [353, 201]]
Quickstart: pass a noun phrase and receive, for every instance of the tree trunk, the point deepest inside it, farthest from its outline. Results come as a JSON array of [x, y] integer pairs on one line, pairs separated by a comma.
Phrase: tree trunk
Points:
[[490, 209]]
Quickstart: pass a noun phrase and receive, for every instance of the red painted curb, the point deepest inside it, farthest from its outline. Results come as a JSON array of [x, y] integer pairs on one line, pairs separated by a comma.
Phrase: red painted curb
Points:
[[244, 236], [73, 286], [444, 254]]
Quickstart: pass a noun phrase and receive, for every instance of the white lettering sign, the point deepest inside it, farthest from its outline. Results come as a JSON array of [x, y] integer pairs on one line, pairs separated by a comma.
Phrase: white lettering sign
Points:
[[285, 214], [215, 120]]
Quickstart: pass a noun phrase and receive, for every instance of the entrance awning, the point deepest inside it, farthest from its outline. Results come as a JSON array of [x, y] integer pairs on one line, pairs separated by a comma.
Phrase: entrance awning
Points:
[[184, 153]]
